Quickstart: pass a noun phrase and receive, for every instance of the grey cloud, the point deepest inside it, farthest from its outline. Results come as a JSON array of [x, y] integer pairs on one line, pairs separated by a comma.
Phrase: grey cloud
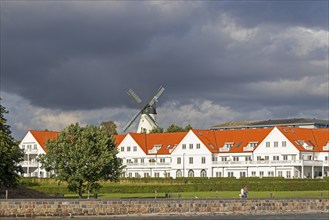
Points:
[[68, 56]]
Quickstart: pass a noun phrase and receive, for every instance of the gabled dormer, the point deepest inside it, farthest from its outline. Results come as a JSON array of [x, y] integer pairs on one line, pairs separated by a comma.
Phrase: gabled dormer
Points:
[[304, 144], [155, 149], [326, 147], [226, 147], [251, 146]]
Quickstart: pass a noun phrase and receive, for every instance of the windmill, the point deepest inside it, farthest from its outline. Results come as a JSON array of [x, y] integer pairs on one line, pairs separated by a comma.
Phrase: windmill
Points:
[[147, 112]]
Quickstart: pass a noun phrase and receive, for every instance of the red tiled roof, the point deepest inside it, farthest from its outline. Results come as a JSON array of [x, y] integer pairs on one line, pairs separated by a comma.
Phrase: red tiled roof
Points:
[[316, 137], [42, 136], [166, 141], [216, 139]]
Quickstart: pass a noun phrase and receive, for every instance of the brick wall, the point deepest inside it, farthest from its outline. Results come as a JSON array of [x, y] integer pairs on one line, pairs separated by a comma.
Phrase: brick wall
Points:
[[72, 207]]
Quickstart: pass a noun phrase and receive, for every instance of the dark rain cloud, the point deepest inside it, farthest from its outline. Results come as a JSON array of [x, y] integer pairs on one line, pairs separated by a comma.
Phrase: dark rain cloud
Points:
[[86, 55]]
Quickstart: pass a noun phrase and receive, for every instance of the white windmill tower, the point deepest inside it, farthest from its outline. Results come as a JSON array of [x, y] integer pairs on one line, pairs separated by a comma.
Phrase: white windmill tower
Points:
[[147, 112]]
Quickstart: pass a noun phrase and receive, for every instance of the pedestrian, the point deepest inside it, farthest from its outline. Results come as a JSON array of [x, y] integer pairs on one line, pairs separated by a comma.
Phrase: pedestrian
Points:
[[245, 192]]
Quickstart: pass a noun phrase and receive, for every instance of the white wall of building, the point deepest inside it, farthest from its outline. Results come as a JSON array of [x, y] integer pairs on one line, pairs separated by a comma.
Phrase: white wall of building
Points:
[[191, 158], [31, 167]]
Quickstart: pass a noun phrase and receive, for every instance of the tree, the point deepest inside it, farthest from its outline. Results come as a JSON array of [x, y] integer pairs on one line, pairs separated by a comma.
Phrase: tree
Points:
[[157, 130], [176, 128], [110, 127], [10, 154], [82, 157]]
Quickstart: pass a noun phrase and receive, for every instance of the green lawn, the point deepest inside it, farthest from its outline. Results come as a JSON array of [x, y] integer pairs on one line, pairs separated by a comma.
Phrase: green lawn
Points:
[[222, 194]]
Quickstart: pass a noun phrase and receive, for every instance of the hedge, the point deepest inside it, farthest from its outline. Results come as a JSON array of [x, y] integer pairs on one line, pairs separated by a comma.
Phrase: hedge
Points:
[[149, 185]]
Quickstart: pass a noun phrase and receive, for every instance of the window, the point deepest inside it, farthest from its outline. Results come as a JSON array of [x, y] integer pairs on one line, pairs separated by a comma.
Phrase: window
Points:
[[135, 160], [142, 160], [156, 174], [179, 173], [183, 146], [179, 160], [190, 160], [214, 158], [270, 173], [267, 158], [276, 158], [285, 157], [268, 144], [248, 158], [203, 160], [279, 173], [128, 149], [288, 174], [253, 173], [203, 173], [122, 149], [224, 158], [130, 175], [35, 147], [293, 157], [218, 174], [146, 175], [191, 146], [242, 174], [162, 160], [135, 148], [261, 173], [190, 173], [137, 175], [235, 158], [197, 146], [259, 158], [326, 158], [230, 174], [276, 144], [284, 143]]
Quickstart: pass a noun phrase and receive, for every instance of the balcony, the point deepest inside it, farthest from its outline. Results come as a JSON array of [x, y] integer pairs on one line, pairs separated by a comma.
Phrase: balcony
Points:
[[30, 164], [224, 149], [31, 151], [248, 148], [326, 147], [147, 165], [271, 163]]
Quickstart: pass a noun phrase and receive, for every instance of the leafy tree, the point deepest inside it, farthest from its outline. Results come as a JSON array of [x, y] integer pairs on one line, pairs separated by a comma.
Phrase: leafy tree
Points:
[[10, 154], [176, 128], [157, 130], [110, 127], [188, 127], [82, 156]]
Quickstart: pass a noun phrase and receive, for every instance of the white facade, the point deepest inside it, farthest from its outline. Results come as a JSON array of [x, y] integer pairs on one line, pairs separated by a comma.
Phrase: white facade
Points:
[[264, 152], [272, 156], [32, 148]]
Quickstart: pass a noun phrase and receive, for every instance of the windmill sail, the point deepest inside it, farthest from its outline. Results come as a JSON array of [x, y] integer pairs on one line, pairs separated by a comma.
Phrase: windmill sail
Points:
[[147, 113]]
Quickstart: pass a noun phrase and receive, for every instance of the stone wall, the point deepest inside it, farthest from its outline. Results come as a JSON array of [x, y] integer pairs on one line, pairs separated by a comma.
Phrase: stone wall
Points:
[[97, 207]]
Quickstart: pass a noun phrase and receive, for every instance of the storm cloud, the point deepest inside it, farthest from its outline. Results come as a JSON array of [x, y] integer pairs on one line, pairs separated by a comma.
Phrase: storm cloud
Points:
[[240, 56]]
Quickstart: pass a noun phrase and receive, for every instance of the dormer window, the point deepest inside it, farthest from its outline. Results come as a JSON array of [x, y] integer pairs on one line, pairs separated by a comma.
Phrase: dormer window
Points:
[[251, 146], [326, 147], [227, 146]]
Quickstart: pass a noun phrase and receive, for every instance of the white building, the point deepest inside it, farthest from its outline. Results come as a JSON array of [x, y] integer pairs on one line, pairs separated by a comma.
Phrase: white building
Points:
[[33, 145], [290, 152]]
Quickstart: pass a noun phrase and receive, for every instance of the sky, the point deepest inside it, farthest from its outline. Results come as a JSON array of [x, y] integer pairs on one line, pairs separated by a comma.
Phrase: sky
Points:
[[65, 62]]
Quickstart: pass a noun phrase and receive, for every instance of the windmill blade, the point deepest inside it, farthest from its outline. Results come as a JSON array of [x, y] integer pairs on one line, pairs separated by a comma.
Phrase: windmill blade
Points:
[[151, 120], [134, 96], [156, 96], [131, 121]]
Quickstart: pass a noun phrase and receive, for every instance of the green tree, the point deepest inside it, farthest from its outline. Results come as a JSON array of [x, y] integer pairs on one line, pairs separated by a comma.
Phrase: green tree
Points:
[[10, 154], [176, 128], [157, 130], [82, 157], [110, 127]]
